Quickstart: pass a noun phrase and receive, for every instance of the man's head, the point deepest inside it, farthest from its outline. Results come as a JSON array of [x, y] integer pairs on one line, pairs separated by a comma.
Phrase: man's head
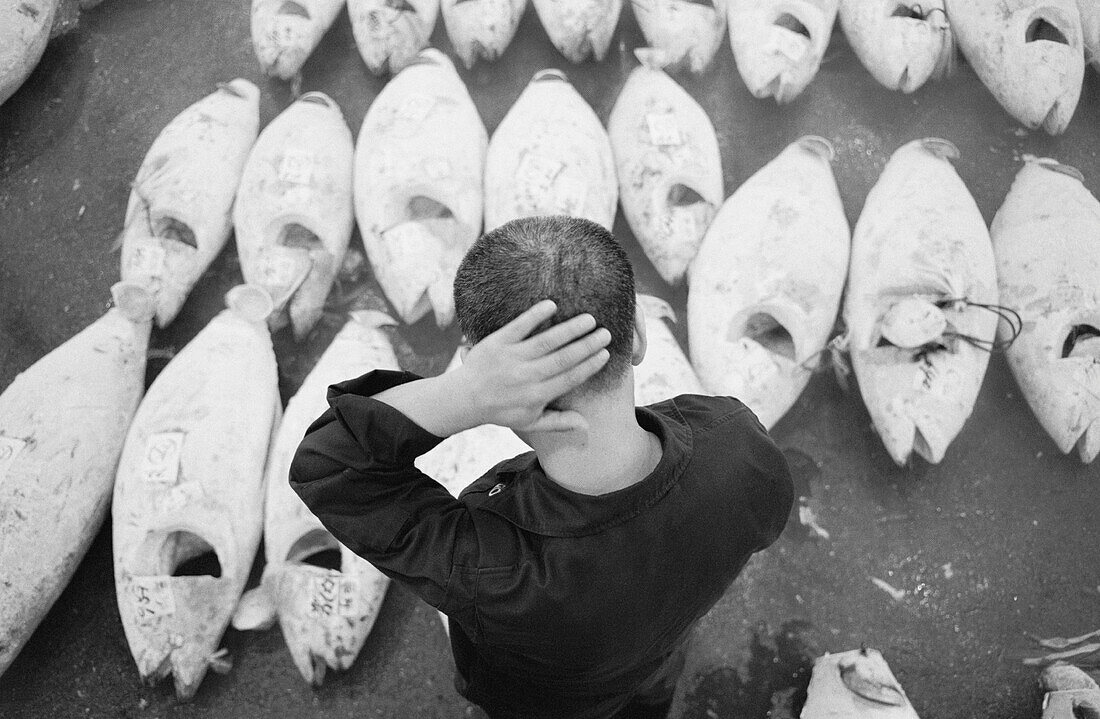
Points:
[[575, 262]]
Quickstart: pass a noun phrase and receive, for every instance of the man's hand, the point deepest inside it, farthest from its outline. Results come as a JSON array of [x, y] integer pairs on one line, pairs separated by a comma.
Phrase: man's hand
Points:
[[509, 378]]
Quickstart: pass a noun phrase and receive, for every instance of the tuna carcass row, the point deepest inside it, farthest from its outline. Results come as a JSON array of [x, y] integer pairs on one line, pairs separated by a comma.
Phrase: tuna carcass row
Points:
[[293, 214], [179, 215], [1046, 238], [325, 596], [668, 164], [62, 424], [418, 185], [919, 303], [188, 501], [765, 287], [550, 155]]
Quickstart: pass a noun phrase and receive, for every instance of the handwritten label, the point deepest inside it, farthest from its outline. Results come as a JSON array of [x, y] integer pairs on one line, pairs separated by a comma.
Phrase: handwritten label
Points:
[[416, 108], [152, 598], [789, 44], [10, 447], [333, 596], [296, 167], [537, 172], [663, 130], [348, 605], [161, 461], [148, 259]]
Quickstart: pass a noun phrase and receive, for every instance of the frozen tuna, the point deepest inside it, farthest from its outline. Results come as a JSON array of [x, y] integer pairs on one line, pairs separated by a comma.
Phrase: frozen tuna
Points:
[[1090, 27], [188, 499], [325, 596], [62, 424], [389, 33], [855, 685], [664, 371], [178, 218], [669, 167], [294, 214], [418, 185], [778, 44], [24, 32], [1029, 53], [550, 155], [902, 45], [285, 32], [1046, 238], [481, 28], [922, 269], [579, 28], [766, 284], [686, 32]]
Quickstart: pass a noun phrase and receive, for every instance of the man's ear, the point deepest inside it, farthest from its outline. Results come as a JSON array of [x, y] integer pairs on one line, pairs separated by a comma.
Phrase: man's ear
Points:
[[463, 350], [637, 352]]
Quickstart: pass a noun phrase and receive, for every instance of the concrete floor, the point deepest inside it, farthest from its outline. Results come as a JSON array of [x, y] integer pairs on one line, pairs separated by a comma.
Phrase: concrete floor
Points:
[[997, 541]]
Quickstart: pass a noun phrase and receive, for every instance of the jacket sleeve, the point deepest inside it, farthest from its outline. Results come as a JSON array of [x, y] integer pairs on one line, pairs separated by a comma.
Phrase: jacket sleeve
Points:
[[354, 470], [771, 495]]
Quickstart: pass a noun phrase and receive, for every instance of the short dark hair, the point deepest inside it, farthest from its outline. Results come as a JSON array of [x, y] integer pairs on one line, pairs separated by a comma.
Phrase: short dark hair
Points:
[[573, 261]]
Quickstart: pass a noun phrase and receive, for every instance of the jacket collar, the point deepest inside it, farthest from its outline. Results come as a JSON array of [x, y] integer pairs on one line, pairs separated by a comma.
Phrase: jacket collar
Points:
[[532, 501]]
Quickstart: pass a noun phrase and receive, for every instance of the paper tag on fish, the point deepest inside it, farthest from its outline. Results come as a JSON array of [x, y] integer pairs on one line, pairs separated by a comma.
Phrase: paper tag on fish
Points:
[[569, 196], [161, 461], [296, 167], [536, 173], [10, 447], [663, 130], [148, 259], [416, 108], [348, 605], [681, 225], [152, 598], [789, 44], [324, 595]]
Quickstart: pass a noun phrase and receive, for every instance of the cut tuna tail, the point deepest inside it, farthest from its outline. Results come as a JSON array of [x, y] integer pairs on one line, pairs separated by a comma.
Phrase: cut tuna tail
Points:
[[652, 57], [943, 149], [819, 146], [1088, 447], [550, 73], [251, 303], [134, 301]]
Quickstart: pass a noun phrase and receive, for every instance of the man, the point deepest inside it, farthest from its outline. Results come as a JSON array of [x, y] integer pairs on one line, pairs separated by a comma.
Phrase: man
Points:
[[572, 576]]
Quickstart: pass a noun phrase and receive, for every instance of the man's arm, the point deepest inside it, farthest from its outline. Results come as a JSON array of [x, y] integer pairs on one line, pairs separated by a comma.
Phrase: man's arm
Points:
[[354, 468]]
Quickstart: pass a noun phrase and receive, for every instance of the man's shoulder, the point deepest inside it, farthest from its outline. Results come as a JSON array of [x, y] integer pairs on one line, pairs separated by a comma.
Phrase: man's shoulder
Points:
[[707, 413]]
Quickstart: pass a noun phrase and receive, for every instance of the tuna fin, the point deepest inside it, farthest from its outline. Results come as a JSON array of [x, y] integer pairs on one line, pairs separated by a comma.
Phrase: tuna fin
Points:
[[652, 57], [373, 318], [250, 302], [220, 662], [656, 307], [838, 354], [819, 146], [863, 676], [135, 302], [948, 59], [550, 73], [442, 299], [1088, 446], [446, 625], [319, 98], [1055, 166], [943, 149], [256, 611]]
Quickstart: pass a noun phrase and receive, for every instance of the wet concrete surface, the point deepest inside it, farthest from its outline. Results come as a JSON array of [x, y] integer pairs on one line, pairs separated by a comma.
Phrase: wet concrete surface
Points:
[[996, 542]]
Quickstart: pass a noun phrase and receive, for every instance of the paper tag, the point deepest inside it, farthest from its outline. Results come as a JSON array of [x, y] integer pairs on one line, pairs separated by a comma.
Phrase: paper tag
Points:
[[348, 605], [152, 598], [537, 172], [324, 594], [10, 447], [680, 225], [569, 196], [789, 44], [296, 167], [416, 108], [437, 168], [161, 461], [663, 130], [148, 259]]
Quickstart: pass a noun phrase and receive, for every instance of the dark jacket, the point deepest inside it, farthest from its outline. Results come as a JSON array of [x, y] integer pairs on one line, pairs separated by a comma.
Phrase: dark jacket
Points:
[[561, 604]]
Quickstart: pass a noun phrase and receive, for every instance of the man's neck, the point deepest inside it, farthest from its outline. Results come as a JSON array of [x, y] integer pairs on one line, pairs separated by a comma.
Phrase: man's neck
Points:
[[615, 451]]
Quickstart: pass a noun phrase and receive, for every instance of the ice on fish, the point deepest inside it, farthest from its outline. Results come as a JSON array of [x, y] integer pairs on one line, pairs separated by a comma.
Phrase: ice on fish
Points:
[[579, 28], [178, 217], [550, 155], [665, 371], [325, 596], [1046, 238], [922, 265], [418, 185], [778, 44], [24, 32], [1029, 53], [857, 684], [188, 500], [285, 32], [481, 28], [902, 44], [390, 33], [62, 424], [687, 32], [668, 164], [293, 214], [765, 287]]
